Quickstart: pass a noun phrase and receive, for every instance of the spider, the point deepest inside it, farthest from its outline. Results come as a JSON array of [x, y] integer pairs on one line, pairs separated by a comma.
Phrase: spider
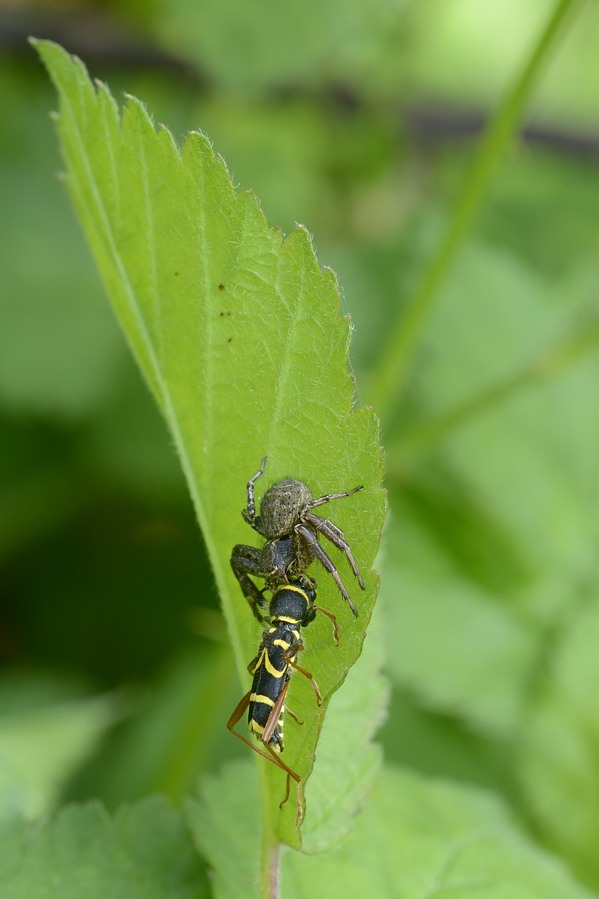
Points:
[[291, 530]]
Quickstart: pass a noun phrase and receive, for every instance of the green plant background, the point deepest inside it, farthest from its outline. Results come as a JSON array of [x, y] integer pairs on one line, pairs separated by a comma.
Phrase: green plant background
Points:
[[360, 124]]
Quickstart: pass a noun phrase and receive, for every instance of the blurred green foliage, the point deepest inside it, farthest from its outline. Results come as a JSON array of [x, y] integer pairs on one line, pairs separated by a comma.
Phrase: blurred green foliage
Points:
[[358, 123]]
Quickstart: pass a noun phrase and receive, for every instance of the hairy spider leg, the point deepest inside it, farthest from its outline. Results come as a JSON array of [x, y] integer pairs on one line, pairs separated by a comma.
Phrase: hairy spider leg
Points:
[[312, 541], [244, 560], [329, 496], [336, 536], [249, 513]]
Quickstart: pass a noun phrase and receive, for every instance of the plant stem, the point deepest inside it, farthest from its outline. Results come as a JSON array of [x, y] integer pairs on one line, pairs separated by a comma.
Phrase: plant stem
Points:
[[390, 376], [271, 847]]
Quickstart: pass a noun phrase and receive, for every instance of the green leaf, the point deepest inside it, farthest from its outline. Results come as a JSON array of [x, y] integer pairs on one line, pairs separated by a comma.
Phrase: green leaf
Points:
[[52, 320], [166, 745], [409, 328], [559, 767], [43, 745], [422, 838], [455, 646], [417, 838], [496, 523], [342, 780], [143, 853], [239, 337], [252, 48], [233, 852]]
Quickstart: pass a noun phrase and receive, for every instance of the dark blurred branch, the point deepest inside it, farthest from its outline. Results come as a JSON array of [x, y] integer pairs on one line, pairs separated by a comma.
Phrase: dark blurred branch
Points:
[[95, 37], [102, 39], [434, 125]]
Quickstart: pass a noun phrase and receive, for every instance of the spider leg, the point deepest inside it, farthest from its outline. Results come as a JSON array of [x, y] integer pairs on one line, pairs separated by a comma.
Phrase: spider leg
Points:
[[317, 550], [245, 560], [329, 496], [249, 513], [336, 536]]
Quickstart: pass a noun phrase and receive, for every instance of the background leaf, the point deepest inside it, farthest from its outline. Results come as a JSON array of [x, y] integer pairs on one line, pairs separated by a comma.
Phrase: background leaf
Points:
[[520, 470], [144, 852], [68, 728], [559, 758], [416, 838], [427, 838], [232, 853]]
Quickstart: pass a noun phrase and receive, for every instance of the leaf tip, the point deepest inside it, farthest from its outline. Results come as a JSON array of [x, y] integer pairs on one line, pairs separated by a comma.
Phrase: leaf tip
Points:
[[47, 48], [38, 43]]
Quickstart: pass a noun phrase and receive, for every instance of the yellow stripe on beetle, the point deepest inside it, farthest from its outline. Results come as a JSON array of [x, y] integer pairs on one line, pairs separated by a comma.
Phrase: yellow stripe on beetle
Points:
[[260, 697]]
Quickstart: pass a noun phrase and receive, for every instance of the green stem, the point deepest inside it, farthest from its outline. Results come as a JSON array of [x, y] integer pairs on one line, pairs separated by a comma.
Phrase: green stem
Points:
[[550, 364], [271, 848], [391, 373]]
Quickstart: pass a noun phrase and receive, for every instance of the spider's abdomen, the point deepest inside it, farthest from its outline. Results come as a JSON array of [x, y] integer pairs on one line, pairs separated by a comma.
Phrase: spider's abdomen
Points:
[[281, 507]]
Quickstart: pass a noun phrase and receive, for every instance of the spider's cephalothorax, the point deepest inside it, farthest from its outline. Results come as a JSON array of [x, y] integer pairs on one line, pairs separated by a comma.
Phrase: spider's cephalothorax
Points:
[[291, 530]]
